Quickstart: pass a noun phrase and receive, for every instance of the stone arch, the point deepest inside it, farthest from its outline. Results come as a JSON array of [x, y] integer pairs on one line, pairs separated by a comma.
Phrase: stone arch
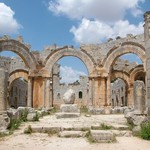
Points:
[[19, 48], [134, 72], [58, 54], [18, 74], [124, 49], [122, 75]]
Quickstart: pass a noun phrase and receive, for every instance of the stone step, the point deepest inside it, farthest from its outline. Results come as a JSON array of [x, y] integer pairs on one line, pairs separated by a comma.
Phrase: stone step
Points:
[[71, 134], [112, 126], [45, 129], [102, 136]]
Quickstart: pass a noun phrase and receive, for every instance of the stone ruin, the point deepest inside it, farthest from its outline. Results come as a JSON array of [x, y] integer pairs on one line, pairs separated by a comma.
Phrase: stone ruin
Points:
[[99, 60]]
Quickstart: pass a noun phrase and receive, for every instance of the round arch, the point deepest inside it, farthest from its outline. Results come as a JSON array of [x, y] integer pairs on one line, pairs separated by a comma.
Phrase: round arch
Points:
[[137, 70], [18, 74], [124, 49], [122, 75], [58, 54], [19, 48]]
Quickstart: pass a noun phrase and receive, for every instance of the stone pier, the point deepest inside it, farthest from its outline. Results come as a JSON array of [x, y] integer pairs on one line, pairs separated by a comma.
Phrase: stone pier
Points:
[[3, 89]]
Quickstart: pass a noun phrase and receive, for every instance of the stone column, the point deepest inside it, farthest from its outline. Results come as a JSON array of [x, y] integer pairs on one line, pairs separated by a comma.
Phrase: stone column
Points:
[[3, 89], [47, 93], [90, 103], [147, 48], [108, 91], [30, 92]]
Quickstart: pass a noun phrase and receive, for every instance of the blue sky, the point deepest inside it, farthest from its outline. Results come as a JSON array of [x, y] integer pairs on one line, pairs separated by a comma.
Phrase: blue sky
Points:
[[70, 22]]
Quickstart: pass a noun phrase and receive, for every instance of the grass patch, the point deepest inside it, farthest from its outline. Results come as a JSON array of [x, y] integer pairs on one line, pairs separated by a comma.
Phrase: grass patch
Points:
[[14, 124], [89, 137], [145, 131], [102, 127], [105, 127]]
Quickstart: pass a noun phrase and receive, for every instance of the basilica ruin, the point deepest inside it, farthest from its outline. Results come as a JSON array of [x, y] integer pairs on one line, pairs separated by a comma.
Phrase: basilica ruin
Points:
[[38, 73]]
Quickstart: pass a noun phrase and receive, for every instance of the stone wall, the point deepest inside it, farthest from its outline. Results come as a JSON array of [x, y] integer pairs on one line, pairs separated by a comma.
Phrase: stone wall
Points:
[[118, 93], [18, 93]]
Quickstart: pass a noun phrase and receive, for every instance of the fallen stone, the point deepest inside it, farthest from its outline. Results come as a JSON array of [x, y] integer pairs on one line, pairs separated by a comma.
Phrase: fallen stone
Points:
[[69, 97]]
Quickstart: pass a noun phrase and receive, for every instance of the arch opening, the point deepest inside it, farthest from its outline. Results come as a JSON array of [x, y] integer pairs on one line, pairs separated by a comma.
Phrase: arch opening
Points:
[[69, 73]]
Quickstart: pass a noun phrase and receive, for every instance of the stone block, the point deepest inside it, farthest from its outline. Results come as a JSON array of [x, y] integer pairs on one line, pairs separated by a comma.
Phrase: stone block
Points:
[[96, 111], [31, 116], [67, 115], [69, 108], [72, 134], [102, 136]]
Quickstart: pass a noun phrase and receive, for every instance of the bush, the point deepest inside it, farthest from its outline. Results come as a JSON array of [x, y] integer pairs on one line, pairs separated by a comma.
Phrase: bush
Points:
[[145, 131]]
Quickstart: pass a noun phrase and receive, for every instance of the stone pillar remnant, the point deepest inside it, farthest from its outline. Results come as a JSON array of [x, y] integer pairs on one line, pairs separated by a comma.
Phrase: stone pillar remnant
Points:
[[139, 97]]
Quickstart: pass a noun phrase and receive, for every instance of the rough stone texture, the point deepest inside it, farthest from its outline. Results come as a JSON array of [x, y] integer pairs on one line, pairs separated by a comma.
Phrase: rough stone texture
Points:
[[102, 136], [69, 108], [67, 115], [139, 97], [69, 97], [135, 119], [4, 121]]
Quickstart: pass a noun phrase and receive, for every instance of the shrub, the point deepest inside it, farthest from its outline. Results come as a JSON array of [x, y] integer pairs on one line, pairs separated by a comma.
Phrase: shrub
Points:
[[14, 124], [145, 131]]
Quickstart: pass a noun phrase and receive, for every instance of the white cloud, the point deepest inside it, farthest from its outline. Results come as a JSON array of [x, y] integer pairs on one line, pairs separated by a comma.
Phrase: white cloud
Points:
[[8, 23], [104, 10], [99, 19], [69, 75], [97, 31]]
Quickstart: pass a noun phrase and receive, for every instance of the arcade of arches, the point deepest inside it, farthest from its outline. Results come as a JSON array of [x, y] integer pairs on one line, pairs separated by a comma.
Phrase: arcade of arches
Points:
[[99, 60]]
